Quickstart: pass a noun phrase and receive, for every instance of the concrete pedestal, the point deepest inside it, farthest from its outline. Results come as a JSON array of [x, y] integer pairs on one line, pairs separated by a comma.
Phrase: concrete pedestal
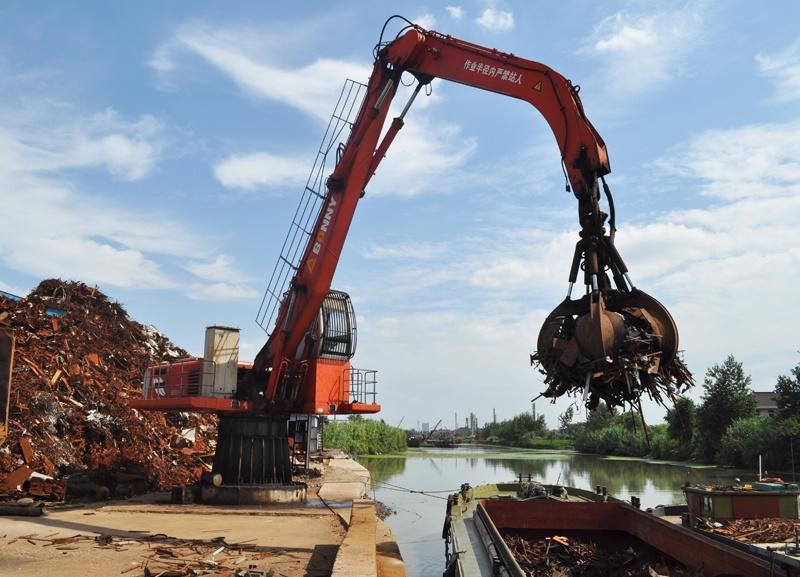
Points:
[[253, 495]]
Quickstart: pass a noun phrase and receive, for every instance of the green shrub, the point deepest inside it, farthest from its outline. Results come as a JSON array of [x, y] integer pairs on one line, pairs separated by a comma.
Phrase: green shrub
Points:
[[517, 431], [551, 444], [664, 446], [772, 438], [359, 436], [613, 440]]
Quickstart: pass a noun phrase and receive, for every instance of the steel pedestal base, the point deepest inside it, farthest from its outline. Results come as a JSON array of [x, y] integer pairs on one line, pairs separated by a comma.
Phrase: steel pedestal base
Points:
[[252, 450]]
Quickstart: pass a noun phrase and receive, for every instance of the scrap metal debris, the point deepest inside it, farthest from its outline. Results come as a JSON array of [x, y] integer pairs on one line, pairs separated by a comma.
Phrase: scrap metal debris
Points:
[[182, 558], [558, 556], [72, 378], [166, 556], [642, 360], [764, 530]]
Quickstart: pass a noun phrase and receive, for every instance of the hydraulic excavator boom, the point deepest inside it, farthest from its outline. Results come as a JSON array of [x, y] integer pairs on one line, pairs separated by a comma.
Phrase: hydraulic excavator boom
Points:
[[612, 343]]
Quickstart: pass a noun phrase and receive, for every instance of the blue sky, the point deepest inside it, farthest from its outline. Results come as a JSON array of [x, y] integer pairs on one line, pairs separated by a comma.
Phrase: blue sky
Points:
[[158, 150]]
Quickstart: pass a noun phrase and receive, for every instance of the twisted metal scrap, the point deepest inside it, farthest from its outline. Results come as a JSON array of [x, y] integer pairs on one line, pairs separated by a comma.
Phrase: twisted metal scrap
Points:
[[637, 366], [583, 557]]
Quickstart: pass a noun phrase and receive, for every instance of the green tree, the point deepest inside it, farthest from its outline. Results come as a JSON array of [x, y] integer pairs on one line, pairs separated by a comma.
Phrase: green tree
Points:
[[787, 393], [600, 418], [517, 432], [745, 440], [727, 397], [565, 419], [681, 420], [774, 439]]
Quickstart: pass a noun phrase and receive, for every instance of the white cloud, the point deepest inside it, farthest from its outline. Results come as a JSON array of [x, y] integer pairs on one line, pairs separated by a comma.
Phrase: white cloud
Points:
[[626, 38], [464, 357], [784, 68], [222, 268], [237, 53], [423, 160], [222, 281], [456, 12], [54, 227], [405, 250], [50, 229], [128, 150], [419, 153], [545, 268], [640, 52], [759, 160], [427, 21], [221, 291], [162, 60], [728, 270], [262, 170], [494, 19]]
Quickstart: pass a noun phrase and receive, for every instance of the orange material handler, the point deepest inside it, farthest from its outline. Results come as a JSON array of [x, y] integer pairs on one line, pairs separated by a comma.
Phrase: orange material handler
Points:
[[304, 365]]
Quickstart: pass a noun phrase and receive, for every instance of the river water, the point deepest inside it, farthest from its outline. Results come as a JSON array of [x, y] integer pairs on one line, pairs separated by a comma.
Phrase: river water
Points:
[[418, 518]]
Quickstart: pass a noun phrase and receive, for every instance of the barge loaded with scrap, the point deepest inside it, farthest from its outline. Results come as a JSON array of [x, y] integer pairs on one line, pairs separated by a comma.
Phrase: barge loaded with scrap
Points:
[[519, 530]]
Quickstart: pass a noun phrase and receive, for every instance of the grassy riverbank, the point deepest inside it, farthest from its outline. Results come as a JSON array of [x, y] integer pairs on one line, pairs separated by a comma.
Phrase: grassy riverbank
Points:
[[467, 451], [540, 444]]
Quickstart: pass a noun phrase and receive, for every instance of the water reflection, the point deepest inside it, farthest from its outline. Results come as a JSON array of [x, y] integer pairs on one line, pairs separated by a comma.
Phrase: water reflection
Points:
[[418, 520], [385, 468]]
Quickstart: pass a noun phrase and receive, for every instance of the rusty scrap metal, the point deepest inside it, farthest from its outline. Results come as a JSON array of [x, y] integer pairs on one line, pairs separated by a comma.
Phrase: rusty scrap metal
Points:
[[584, 557], [26, 450], [613, 346], [763, 530], [69, 399], [15, 479], [47, 489]]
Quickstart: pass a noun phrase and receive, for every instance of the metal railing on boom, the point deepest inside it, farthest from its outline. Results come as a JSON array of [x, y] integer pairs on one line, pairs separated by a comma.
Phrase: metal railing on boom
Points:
[[311, 202]]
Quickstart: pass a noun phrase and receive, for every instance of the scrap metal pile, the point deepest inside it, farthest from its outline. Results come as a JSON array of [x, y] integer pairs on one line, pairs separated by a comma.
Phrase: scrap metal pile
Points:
[[560, 556], [79, 358], [764, 530]]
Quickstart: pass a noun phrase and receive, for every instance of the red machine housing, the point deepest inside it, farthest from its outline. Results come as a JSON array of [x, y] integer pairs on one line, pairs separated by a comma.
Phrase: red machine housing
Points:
[[334, 388]]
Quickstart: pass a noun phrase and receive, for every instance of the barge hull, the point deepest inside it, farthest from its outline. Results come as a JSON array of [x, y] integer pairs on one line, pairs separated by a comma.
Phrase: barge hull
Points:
[[475, 546]]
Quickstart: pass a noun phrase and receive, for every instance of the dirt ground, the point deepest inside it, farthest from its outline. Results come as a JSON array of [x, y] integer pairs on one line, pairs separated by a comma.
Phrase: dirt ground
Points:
[[291, 541], [147, 535]]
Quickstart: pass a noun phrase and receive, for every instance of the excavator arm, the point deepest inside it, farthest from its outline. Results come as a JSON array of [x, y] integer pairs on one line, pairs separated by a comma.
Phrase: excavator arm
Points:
[[581, 342], [429, 55]]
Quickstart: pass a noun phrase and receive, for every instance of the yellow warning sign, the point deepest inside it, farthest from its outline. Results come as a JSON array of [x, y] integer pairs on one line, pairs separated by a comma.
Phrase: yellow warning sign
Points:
[[538, 86]]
